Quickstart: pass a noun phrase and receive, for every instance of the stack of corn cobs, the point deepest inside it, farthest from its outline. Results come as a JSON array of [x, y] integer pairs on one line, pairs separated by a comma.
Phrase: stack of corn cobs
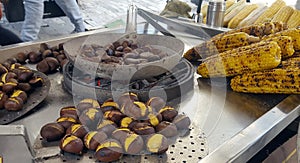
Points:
[[261, 58], [241, 14]]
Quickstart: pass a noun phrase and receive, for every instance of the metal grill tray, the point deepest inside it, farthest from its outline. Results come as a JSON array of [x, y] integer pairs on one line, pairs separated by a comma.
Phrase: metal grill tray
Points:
[[34, 99], [189, 148]]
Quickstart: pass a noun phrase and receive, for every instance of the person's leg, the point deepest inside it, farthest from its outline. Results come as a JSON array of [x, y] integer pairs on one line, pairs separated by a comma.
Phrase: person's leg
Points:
[[34, 10], [72, 10], [7, 37]]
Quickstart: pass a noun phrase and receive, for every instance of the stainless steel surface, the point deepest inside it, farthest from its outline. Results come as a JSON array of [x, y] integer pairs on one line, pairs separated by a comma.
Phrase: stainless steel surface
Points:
[[235, 125], [215, 13], [34, 98]]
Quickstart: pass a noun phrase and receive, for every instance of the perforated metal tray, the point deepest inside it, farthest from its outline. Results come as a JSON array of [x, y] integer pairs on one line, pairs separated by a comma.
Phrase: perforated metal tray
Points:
[[189, 148], [34, 98]]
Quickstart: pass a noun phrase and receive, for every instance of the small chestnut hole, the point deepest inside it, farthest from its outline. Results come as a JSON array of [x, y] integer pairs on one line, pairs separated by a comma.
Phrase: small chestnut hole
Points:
[[172, 158], [190, 156], [199, 158]]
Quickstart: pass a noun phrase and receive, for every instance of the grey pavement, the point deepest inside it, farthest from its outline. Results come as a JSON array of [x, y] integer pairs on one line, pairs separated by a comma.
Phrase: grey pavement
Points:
[[96, 13]]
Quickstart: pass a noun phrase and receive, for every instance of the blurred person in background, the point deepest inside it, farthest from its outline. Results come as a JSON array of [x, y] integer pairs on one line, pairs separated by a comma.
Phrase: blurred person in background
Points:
[[7, 37], [34, 10]]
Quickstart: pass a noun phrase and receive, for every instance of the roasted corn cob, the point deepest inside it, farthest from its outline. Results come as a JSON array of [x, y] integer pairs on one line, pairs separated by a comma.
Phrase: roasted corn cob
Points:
[[286, 45], [251, 60], [227, 42], [293, 62], [279, 80], [234, 22], [294, 20], [293, 33], [256, 30], [270, 12], [233, 6], [283, 14], [204, 10], [251, 18], [233, 13]]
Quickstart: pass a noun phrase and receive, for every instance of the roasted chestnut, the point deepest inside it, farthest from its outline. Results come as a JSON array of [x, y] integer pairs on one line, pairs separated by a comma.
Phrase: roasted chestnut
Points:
[[24, 87], [121, 133], [52, 132], [127, 97], [108, 106], [25, 75], [182, 122], [154, 119], [109, 150], [71, 144], [156, 103], [77, 130], [36, 81], [22, 57], [107, 126], [66, 121], [93, 138], [68, 111], [143, 128], [9, 87], [137, 110], [34, 57], [86, 104], [133, 144], [21, 94], [114, 115], [168, 113], [127, 122], [167, 129], [90, 117], [13, 104], [157, 143]]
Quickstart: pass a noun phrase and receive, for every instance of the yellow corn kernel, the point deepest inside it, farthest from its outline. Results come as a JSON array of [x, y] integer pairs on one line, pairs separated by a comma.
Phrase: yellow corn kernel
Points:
[[270, 12], [279, 80], [283, 14], [234, 22], [231, 64]]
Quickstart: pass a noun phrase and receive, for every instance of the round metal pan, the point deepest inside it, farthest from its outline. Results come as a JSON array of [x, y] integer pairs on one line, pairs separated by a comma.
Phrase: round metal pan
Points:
[[174, 47], [34, 98]]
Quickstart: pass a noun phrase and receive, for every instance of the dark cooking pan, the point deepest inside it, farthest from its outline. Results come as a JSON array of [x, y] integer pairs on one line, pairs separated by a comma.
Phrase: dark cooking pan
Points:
[[174, 47]]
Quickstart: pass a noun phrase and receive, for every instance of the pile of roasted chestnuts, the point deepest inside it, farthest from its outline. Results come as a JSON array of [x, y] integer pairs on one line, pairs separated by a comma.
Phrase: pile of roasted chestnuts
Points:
[[121, 53], [113, 128], [17, 81]]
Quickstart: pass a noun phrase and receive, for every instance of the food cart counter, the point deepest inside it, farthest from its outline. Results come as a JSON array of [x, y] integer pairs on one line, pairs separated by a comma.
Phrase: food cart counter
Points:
[[227, 126]]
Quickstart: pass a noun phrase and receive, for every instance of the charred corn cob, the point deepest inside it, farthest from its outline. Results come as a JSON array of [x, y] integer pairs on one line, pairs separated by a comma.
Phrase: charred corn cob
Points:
[[234, 22], [293, 33], [284, 81], [231, 64], [293, 62], [256, 30], [233, 13], [251, 18], [270, 12], [227, 42], [286, 45], [233, 6], [294, 20], [283, 14]]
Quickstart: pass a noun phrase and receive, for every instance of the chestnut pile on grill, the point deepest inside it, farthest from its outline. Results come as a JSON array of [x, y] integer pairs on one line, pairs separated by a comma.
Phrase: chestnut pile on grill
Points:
[[122, 53], [114, 128], [17, 81]]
